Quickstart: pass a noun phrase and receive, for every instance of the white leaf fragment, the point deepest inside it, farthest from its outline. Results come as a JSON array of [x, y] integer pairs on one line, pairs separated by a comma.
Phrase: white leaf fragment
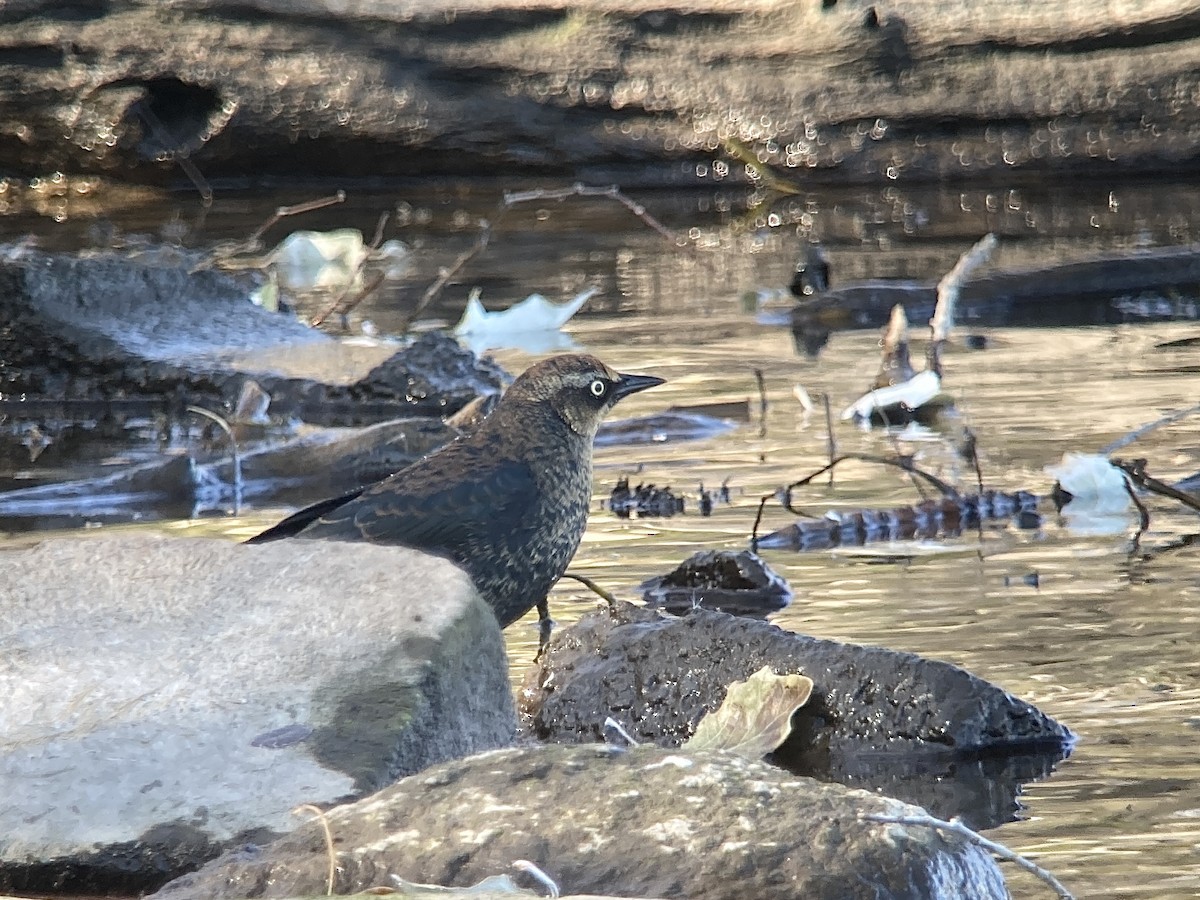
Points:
[[913, 393], [1092, 481], [534, 313]]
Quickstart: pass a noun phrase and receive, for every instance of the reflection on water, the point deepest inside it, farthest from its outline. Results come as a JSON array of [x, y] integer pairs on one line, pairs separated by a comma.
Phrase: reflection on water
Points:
[[1103, 638]]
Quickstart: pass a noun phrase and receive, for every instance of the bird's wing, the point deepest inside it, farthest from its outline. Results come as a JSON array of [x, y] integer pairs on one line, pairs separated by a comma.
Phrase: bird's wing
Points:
[[428, 507], [302, 518]]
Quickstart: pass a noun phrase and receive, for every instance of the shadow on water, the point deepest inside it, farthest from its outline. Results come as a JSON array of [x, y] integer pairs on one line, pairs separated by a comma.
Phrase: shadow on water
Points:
[[982, 790]]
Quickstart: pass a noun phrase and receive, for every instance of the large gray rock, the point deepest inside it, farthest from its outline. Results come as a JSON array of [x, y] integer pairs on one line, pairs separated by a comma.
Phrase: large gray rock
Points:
[[899, 90], [162, 699], [645, 822], [878, 718]]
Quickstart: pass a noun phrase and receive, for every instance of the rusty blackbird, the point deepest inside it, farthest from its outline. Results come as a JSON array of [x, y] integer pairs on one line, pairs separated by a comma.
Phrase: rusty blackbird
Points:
[[508, 502]]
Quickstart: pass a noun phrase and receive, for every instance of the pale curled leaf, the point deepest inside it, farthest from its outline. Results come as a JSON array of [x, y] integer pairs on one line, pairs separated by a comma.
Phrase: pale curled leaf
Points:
[[756, 715]]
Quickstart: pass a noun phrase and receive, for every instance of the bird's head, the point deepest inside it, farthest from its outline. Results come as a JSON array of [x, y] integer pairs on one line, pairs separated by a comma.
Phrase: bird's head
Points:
[[580, 388]]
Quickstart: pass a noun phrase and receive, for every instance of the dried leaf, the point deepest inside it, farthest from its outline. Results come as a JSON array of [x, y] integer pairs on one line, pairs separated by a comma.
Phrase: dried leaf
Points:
[[756, 716]]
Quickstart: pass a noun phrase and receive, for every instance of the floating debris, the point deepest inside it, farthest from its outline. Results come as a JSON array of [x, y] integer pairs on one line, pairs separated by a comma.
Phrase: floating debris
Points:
[[643, 500], [709, 499], [533, 324], [332, 260], [734, 582], [898, 403], [1091, 494]]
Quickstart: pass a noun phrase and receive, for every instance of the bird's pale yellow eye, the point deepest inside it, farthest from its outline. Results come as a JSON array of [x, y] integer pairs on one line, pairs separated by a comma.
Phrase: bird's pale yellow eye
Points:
[[598, 388]]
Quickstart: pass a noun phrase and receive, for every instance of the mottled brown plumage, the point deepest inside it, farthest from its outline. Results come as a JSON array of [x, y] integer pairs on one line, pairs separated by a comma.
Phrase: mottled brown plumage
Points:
[[509, 502]]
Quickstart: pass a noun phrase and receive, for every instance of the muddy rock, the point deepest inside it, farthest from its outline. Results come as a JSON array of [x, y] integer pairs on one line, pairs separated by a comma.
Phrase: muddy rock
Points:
[[737, 582], [877, 718], [164, 699], [644, 822], [652, 90], [113, 326]]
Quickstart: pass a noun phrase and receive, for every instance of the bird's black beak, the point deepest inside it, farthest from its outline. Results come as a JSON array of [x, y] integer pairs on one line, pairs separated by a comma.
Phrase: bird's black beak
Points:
[[631, 384]]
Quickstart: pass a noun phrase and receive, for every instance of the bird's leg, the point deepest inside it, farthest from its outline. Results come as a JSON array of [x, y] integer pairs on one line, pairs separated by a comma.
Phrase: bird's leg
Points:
[[545, 625]]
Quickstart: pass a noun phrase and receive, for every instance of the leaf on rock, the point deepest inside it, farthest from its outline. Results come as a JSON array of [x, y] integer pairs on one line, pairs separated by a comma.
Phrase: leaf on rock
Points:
[[756, 716]]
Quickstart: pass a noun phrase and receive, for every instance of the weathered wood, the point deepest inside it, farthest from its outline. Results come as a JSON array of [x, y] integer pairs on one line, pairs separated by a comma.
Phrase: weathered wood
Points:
[[651, 89]]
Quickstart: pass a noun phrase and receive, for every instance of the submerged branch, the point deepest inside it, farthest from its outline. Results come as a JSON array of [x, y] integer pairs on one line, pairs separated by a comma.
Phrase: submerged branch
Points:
[[1136, 470], [903, 463], [369, 288]]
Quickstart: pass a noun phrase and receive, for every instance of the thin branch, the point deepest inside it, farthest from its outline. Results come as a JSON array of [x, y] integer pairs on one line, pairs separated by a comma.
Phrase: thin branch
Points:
[[1170, 419], [882, 413], [1136, 470], [756, 170], [177, 155], [762, 402], [233, 452], [595, 588], [612, 191], [320, 816], [954, 826], [762, 503], [444, 276], [368, 289], [905, 464], [830, 440], [947, 298], [253, 244]]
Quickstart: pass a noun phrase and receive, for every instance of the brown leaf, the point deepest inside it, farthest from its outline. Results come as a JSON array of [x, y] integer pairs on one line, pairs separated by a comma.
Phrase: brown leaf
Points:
[[756, 715]]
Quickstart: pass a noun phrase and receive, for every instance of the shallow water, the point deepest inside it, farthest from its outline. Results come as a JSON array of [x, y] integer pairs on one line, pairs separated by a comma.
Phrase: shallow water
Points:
[[1104, 641]]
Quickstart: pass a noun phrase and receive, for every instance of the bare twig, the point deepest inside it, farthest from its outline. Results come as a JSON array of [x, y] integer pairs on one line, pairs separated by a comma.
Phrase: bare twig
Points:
[[905, 464], [830, 440], [1136, 470], [954, 826], [1144, 430], [538, 875], [177, 155], [233, 452], [612, 191], [758, 171], [282, 212], [595, 588], [368, 289], [882, 413], [947, 292], [762, 503], [320, 816], [762, 402], [444, 276], [253, 244]]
